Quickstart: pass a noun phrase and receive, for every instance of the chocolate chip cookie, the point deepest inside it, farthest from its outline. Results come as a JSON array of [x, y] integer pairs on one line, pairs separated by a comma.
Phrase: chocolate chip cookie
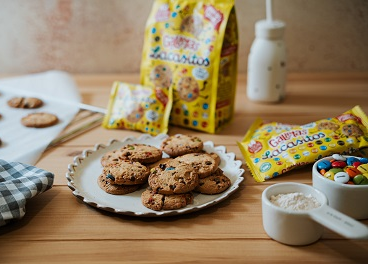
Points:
[[39, 120], [173, 177], [203, 163], [181, 144], [157, 163], [117, 189], [141, 153], [213, 184], [216, 157], [351, 130], [25, 102], [161, 76], [111, 157], [126, 172], [188, 89], [158, 202]]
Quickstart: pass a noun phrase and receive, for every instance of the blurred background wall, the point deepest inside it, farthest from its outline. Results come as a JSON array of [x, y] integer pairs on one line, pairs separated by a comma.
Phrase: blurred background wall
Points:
[[96, 36]]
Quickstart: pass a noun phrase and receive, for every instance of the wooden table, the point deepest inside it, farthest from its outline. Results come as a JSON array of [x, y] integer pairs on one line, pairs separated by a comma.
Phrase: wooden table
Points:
[[58, 227]]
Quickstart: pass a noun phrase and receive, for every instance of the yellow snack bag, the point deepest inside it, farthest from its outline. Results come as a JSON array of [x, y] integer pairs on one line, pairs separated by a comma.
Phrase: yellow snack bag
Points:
[[272, 149], [138, 107], [192, 47]]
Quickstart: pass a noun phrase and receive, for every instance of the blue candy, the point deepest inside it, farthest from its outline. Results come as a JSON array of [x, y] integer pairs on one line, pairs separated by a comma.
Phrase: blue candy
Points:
[[364, 160], [324, 165], [351, 160]]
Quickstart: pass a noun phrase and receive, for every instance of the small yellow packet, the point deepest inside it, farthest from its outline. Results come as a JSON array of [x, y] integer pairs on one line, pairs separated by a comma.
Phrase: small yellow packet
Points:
[[272, 149], [138, 107]]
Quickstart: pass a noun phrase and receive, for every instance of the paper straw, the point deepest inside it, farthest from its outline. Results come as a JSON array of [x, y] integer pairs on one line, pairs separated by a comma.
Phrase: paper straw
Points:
[[269, 10]]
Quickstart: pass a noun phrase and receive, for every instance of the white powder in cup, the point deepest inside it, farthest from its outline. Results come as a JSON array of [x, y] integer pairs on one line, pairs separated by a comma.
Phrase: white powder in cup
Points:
[[295, 201]]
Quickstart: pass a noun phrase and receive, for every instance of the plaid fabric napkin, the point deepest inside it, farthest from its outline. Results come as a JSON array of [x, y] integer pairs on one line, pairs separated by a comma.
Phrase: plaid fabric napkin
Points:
[[19, 182]]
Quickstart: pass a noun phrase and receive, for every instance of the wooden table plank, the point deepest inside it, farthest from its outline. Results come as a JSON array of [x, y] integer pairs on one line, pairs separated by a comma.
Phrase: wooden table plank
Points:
[[182, 251]]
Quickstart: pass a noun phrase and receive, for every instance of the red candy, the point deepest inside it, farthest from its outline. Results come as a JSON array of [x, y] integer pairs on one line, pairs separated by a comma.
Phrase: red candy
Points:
[[356, 164], [339, 164]]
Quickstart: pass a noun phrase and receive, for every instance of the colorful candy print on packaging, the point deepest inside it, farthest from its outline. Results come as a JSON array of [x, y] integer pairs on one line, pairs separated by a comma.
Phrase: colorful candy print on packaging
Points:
[[191, 46], [138, 107], [272, 149]]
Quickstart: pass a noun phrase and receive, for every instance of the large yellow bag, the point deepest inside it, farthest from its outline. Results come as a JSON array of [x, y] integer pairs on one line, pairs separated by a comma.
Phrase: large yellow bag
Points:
[[191, 46]]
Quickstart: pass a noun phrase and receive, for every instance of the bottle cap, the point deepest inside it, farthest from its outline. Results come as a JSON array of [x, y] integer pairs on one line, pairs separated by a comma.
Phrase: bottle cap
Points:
[[270, 29]]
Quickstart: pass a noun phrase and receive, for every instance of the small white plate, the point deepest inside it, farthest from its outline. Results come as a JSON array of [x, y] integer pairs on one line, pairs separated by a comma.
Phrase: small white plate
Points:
[[83, 173]]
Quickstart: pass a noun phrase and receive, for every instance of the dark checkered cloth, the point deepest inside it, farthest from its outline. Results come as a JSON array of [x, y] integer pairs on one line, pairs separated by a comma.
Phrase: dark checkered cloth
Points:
[[18, 183]]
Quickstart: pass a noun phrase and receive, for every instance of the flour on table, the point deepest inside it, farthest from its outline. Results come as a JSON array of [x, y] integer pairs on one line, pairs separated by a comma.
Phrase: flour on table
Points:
[[295, 201]]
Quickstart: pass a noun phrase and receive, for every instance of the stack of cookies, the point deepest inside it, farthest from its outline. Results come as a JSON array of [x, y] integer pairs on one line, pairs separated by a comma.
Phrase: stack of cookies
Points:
[[171, 181], [124, 170]]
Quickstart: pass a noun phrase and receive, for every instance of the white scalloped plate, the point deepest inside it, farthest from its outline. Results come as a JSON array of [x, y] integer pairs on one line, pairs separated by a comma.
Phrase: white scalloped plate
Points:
[[83, 173]]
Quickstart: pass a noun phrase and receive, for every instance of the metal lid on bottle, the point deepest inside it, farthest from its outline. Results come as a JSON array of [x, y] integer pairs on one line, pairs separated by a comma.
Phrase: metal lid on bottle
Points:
[[270, 29]]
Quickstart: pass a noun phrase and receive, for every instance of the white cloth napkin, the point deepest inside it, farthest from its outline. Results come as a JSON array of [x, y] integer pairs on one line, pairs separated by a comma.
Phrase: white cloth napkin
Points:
[[61, 97]]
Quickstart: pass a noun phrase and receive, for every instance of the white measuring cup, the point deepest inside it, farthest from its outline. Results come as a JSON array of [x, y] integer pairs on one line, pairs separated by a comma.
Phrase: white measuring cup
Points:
[[305, 227]]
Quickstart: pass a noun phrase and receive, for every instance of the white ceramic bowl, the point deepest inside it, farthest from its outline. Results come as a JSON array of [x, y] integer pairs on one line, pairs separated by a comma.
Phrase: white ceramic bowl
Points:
[[304, 227], [351, 200], [295, 228]]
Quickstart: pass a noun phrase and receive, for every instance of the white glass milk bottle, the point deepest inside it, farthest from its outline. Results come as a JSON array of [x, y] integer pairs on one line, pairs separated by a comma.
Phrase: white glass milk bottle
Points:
[[267, 63]]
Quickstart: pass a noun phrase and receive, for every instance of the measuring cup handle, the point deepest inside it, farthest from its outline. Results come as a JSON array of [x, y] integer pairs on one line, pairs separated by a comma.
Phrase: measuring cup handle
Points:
[[339, 222]]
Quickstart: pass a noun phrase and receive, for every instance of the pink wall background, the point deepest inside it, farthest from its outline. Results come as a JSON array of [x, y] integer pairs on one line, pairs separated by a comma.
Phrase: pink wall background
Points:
[[95, 36]]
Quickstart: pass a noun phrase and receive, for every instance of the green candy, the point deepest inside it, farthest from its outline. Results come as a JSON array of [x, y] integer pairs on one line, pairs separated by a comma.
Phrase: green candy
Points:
[[335, 170], [360, 180]]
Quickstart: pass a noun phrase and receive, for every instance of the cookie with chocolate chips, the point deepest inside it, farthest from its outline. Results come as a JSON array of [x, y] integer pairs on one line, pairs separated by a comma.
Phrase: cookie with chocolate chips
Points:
[[203, 163], [39, 120], [181, 144], [214, 184], [126, 172], [111, 157], [351, 130], [117, 189], [25, 102], [140, 153], [158, 202], [173, 177]]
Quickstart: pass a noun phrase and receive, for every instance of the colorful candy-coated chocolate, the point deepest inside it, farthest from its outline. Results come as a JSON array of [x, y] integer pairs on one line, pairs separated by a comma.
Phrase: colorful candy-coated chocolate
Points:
[[352, 171], [351, 160], [363, 168], [338, 157], [356, 164], [329, 175], [336, 170], [360, 180], [324, 165], [347, 170], [341, 177], [338, 164]]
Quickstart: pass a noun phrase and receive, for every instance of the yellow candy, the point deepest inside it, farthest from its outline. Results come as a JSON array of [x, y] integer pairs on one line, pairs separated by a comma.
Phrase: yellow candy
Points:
[[363, 168], [329, 175]]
